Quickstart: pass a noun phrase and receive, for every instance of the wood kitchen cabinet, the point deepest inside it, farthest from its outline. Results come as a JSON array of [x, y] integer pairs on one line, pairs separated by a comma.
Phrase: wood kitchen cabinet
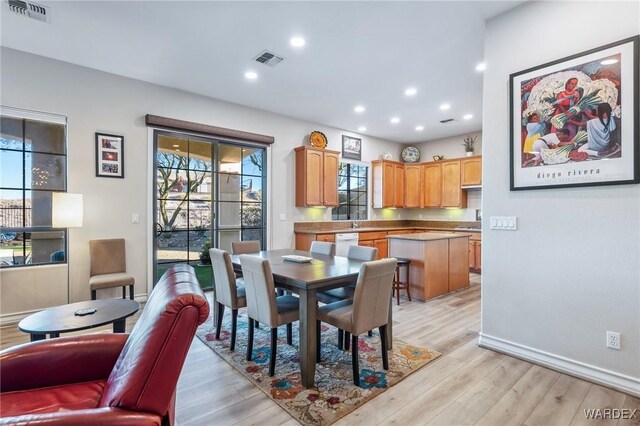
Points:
[[475, 253], [316, 177], [375, 239], [432, 184], [388, 184], [452, 194], [471, 170], [413, 186]]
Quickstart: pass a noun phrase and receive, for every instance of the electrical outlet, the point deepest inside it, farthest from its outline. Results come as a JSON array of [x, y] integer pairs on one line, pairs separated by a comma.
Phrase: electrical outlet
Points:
[[613, 340]]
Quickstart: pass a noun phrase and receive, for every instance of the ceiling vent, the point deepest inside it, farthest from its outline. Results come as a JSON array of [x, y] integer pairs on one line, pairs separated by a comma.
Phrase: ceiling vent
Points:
[[268, 58], [448, 120], [30, 10]]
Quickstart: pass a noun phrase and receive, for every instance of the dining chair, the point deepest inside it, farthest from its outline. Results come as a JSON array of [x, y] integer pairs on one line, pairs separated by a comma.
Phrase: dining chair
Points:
[[321, 247], [228, 293], [245, 247], [109, 267], [365, 254], [368, 309], [263, 305]]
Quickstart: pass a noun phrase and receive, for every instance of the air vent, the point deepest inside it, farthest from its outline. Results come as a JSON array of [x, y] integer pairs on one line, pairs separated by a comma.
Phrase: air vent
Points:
[[29, 10], [268, 58], [448, 120]]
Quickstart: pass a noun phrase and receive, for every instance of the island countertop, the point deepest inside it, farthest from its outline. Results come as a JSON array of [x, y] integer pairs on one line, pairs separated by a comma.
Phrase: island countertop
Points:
[[431, 236]]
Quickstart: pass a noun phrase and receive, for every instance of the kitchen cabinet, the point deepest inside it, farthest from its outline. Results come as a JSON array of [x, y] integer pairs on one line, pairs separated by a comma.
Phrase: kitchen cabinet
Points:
[[432, 184], [475, 253], [376, 239], [452, 194], [471, 169], [413, 186], [327, 238], [316, 177], [388, 184], [438, 263]]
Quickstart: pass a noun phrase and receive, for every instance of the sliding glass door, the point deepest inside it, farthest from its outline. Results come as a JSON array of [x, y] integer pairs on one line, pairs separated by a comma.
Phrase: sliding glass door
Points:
[[207, 193]]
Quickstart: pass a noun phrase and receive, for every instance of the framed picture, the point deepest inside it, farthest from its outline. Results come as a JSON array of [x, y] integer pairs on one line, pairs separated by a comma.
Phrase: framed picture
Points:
[[574, 121], [351, 148], [109, 155]]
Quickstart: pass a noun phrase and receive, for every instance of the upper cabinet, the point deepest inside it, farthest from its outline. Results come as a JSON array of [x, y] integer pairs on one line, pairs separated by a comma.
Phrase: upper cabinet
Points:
[[471, 169], [413, 185], [432, 173], [316, 177], [452, 193], [388, 183]]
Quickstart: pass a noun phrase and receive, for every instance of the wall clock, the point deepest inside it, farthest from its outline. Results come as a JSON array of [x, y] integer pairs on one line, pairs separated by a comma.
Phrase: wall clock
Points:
[[411, 154]]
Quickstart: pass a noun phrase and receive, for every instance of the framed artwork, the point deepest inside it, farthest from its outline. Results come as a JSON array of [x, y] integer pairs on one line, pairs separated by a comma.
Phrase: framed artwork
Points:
[[109, 155], [574, 121], [351, 148]]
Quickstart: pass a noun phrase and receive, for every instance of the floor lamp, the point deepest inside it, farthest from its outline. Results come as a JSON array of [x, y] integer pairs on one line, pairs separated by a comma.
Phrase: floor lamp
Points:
[[67, 212]]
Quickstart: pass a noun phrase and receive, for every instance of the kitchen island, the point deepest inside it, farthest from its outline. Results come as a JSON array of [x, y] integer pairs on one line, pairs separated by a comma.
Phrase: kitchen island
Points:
[[439, 262]]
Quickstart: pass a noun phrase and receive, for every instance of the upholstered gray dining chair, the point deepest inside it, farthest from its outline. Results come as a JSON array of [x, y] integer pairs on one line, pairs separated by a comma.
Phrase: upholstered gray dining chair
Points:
[[244, 247], [264, 306], [109, 267], [321, 247], [228, 293], [368, 309], [365, 254]]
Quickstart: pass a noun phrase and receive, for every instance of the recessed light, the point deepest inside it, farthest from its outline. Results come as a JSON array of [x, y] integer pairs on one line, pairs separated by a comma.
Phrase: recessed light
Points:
[[481, 67], [411, 91], [297, 42], [445, 107], [395, 120], [419, 128], [359, 109], [362, 129], [250, 75], [176, 146], [467, 116], [609, 62]]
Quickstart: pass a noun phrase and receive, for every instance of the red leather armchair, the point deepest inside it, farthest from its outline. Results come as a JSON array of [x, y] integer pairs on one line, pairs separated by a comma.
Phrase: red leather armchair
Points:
[[114, 379]]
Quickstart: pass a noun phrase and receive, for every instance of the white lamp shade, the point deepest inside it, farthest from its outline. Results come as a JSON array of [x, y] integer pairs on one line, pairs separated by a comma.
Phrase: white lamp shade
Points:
[[66, 210]]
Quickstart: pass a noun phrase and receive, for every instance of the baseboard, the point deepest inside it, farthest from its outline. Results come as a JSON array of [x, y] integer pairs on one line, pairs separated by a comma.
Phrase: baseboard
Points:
[[617, 381], [16, 317]]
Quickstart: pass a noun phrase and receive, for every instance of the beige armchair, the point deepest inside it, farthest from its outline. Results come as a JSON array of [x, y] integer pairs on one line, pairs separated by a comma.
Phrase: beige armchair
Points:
[[228, 293], [368, 309], [263, 305], [109, 267]]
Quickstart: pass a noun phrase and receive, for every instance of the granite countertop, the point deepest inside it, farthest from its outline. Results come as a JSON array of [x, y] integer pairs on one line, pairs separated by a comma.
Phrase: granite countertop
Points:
[[428, 236], [383, 229]]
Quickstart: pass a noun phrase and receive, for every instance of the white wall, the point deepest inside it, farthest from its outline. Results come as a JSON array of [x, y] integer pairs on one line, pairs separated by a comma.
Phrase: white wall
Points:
[[97, 101], [551, 290], [449, 148]]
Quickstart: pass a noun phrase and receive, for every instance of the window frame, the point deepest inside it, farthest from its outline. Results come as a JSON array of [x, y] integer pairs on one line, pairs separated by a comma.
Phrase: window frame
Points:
[[49, 118], [335, 214]]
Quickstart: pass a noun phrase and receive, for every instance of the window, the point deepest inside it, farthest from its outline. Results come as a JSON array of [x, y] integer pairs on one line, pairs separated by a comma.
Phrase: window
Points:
[[33, 165], [208, 193], [352, 193]]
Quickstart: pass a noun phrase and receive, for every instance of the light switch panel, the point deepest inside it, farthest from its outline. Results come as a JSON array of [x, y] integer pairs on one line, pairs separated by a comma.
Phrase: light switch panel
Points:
[[503, 223]]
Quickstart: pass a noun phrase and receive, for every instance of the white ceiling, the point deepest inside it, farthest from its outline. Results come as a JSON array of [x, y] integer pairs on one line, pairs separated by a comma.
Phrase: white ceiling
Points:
[[356, 53]]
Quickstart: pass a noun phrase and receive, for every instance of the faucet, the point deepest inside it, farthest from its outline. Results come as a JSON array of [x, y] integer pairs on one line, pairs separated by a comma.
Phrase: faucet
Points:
[[355, 223]]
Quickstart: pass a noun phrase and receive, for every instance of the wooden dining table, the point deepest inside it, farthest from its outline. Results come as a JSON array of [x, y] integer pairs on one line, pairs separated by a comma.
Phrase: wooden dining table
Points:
[[306, 279]]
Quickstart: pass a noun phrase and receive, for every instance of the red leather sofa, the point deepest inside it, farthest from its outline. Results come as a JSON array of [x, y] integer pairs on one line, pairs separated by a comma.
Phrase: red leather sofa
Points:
[[114, 379]]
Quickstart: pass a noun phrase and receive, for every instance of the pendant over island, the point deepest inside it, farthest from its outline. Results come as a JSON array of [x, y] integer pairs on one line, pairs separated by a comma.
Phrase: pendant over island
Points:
[[439, 262]]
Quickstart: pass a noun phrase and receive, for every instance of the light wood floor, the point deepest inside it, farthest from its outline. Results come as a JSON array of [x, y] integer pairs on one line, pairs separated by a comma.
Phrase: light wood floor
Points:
[[466, 385]]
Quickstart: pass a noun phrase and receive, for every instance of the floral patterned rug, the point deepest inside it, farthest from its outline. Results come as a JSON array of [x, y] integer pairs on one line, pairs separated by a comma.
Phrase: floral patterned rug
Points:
[[335, 395]]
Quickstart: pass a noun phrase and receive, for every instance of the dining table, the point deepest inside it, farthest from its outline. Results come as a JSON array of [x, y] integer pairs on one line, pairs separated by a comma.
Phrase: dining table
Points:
[[306, 279]]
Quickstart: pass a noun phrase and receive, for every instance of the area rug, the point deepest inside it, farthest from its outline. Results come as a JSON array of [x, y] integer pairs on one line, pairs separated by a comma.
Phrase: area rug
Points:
[[335, 395]]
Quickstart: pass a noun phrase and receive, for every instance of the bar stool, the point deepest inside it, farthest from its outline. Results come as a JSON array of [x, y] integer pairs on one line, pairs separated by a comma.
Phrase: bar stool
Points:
[[397, 283]]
